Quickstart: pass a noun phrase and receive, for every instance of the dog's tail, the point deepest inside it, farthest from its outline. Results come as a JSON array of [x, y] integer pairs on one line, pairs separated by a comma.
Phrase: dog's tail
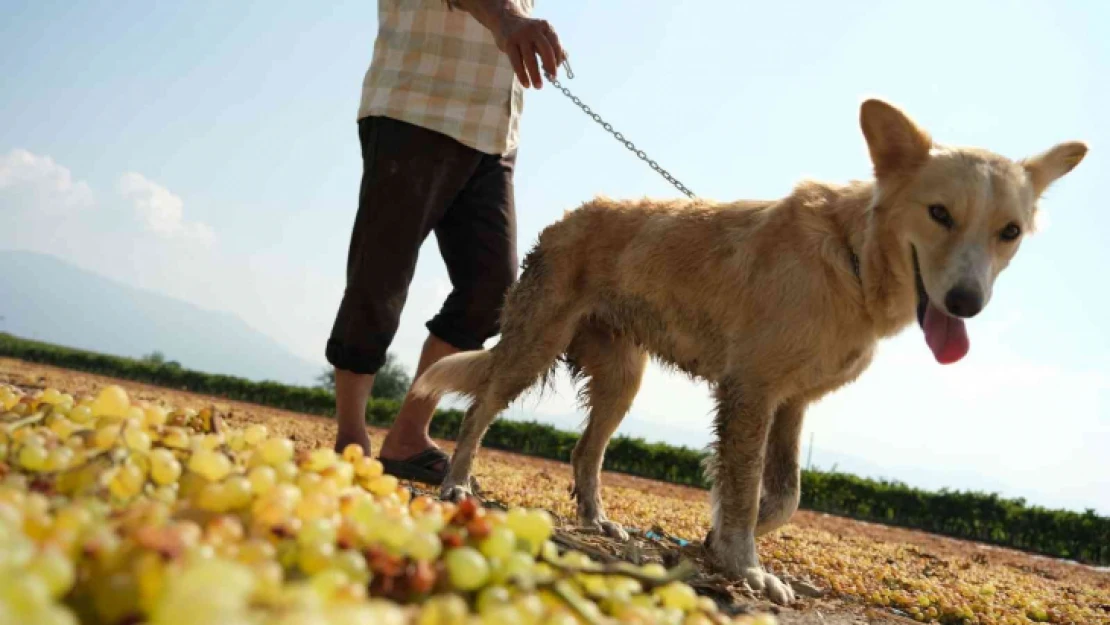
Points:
[[465, 373]]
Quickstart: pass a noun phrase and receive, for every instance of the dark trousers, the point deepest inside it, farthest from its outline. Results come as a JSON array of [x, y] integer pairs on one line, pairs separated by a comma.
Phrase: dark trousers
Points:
[[416, 181]]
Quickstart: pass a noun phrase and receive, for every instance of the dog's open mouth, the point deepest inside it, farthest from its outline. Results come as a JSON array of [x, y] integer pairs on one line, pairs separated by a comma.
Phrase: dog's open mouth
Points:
[[946, 335]]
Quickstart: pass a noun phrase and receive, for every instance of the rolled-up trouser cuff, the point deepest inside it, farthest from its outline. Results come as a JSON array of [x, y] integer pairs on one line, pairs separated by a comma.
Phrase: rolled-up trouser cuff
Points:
[[455, 338], [353, 359]]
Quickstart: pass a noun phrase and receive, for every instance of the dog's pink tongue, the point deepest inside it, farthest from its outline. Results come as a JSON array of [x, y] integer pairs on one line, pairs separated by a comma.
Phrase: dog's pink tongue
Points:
[[946, 335]]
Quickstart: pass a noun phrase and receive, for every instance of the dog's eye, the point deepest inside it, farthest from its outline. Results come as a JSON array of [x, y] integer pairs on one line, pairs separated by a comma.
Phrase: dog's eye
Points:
[[940, 215], [1010, 232]]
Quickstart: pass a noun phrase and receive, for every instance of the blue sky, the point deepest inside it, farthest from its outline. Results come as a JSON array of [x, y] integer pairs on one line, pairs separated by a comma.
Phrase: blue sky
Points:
[[208, 150]]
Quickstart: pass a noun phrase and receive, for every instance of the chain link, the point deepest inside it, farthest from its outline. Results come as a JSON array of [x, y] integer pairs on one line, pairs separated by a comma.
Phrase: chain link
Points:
[[620, 137]]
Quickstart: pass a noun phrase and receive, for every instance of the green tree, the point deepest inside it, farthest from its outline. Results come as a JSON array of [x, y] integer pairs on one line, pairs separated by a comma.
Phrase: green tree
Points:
[[155, 358], [326, 380], [391, 382]]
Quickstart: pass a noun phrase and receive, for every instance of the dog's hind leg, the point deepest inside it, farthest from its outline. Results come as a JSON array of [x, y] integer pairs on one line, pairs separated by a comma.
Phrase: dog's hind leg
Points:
[[614, 367], [530, 343], [781, 471]]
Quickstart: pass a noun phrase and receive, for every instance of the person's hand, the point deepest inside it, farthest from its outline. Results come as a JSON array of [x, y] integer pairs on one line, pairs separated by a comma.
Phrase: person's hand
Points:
[[523, 38]]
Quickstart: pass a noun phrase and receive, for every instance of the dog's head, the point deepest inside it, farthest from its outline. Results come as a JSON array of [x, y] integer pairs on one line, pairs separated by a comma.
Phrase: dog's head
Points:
[[960, 213]]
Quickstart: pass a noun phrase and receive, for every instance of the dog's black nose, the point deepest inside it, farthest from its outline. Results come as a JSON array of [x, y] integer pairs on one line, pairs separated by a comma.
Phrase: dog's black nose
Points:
[[963, 301]]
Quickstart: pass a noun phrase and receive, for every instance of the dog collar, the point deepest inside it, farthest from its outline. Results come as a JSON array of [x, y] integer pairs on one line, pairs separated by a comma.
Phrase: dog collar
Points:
[[855, 264]]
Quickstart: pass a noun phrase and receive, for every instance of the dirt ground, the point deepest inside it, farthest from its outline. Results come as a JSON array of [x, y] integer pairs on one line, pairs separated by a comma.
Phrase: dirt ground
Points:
[[310, 431]]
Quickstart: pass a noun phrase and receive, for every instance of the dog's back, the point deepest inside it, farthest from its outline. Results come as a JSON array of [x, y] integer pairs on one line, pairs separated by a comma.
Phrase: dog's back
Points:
[[690, 280]]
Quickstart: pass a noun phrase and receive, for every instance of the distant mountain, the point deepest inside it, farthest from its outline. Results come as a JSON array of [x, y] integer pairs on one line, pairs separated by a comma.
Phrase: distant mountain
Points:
[[45, 298]]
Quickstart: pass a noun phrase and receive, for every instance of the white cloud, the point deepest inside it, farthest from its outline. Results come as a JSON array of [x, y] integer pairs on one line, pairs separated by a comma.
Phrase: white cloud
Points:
[[161, 211], [43, 183]]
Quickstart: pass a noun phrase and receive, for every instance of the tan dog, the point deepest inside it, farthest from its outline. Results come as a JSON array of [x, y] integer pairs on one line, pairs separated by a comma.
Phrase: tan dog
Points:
[[774, 303]]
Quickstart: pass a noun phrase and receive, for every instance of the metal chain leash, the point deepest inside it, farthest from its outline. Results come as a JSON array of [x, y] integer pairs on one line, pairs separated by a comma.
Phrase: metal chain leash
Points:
[[620, 137]]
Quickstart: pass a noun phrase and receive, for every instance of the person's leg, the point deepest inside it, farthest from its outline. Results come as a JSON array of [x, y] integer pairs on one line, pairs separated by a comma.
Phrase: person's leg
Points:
[[409, 434], [410, 177], [352, 392], [477, 239]]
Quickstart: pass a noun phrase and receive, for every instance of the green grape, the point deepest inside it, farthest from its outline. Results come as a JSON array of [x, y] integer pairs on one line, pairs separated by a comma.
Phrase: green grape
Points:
[[286, 471], [55, 570], [316, 532], [59, 459], [237, 490], [176, 438], [107, 436], [446, 609], [32, 457], [164, 467], [63, 427], [275, 451], [25, 593], [212, 465], [677, 595], [81, 415], [353, 564], [262, 478], [367, 468], [423, 546], [254, 434], [466, 568], [51, 396], [328, 582], [314, 557], [208, 442], [135, 438], [531, 526], [491, 596], [320, 459], [499, 544], [315, 505], [213, 497], [383, 485], [111, 401], [154, 416], [126, 481]]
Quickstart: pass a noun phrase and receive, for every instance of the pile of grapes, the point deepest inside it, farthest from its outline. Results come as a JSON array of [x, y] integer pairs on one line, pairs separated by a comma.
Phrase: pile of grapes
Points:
[[115, 512]]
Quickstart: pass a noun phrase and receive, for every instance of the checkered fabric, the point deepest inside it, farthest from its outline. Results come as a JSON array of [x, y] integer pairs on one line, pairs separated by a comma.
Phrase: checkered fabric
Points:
[[439, 68]]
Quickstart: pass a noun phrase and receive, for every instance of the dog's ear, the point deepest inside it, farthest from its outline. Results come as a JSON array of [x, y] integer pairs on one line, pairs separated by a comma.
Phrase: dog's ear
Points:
[[896, 143], [1049, 166]]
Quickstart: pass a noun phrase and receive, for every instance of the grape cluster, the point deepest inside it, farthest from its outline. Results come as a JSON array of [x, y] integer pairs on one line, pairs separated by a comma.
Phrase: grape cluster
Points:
[[119, 512]]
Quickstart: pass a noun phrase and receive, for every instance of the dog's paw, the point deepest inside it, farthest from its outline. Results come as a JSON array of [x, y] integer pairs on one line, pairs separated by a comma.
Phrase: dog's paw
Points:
[[455, 494], [611, 529], [735, 555], [772, 587]]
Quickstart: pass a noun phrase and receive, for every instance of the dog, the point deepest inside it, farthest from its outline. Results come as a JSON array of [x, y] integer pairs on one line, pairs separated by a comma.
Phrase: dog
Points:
[[773, 303]]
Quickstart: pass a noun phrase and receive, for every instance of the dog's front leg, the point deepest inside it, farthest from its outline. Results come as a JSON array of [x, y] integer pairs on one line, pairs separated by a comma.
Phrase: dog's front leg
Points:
[[744, 417], [781, 471]]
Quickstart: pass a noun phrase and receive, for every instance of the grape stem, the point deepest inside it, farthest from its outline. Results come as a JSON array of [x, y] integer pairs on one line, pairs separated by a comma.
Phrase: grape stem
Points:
[[563, 591], [682, 571], [35, 418]]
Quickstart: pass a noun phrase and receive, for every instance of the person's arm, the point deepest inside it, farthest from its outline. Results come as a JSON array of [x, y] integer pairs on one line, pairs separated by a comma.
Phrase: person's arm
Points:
[[518, 36]]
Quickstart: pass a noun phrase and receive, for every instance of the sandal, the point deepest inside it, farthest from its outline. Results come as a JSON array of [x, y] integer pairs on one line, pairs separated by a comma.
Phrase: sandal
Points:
[[420, 467]]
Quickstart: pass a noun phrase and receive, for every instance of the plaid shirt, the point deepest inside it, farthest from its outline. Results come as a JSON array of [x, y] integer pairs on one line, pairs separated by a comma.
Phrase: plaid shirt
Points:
[[439, 68]]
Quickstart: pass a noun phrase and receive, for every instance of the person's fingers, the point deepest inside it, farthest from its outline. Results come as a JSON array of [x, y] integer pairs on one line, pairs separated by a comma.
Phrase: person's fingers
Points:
[[528, 48], [517, 60], [547, 55], [556, 45]]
